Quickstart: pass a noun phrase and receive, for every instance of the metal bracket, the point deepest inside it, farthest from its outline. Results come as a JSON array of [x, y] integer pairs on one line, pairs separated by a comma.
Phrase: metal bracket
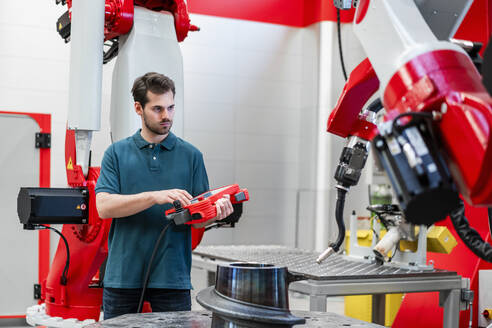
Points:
[[343, 4], [467, 294], [43, 140], [37, 291]]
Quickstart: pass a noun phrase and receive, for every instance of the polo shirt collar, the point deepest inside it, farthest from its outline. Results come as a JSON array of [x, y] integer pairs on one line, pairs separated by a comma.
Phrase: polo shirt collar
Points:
[[167, 143]]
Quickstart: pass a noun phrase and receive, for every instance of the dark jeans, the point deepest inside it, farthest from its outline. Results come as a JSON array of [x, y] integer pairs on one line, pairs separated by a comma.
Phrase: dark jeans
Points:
[[119, 301]]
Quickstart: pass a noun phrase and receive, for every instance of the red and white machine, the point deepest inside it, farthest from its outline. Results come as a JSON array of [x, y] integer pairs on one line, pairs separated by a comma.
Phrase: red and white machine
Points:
[[434, 140]]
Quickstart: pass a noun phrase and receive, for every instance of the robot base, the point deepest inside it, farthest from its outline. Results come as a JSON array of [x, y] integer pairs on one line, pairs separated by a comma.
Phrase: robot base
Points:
[[36, 316]]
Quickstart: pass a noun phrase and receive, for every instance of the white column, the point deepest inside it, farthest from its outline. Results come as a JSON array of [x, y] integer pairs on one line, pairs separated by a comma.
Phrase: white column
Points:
[[86, 60]]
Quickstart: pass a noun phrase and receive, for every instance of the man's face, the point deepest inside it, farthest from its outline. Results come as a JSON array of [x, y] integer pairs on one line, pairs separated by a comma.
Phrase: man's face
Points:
[[158, 112]]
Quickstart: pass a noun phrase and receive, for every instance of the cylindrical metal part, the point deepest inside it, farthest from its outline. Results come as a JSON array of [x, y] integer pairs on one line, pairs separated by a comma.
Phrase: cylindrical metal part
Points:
[[388, 242], [253, 292], [86, 60], [254, 283], [326, 253]]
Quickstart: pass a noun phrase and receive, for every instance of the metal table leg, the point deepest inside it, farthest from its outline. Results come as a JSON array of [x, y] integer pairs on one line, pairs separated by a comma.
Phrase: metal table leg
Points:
[[317, 303], [450, 300], [378, 308], [210, 278]]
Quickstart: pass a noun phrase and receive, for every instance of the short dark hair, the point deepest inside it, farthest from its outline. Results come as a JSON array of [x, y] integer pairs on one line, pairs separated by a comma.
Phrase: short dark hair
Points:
[[154, 82]]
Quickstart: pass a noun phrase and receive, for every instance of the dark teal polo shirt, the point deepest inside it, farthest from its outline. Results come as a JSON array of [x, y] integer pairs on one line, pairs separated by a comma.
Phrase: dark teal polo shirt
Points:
[[132, 166]]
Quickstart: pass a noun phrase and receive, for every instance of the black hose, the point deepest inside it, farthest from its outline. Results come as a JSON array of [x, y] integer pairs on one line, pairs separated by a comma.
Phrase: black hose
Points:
[[340, 45], [375, 106], [147, 274], [490, 221], [339, 217], [63, 278], [395, 125], [470, 236]]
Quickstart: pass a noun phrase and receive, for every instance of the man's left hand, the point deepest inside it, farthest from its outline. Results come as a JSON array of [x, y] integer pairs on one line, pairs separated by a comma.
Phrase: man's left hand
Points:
[[224, 209]]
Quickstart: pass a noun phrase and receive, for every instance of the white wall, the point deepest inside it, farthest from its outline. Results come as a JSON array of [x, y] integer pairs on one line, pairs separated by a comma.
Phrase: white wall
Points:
[[256, 97], [34, 66], [243, 90], [323, 82]]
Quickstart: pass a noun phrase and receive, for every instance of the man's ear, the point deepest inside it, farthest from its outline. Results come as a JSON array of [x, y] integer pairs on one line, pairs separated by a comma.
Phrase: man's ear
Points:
[[138, 108]]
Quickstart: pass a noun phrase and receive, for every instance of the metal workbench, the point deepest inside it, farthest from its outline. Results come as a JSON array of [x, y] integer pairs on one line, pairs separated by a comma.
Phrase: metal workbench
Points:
[[205, 319], [341, 276]]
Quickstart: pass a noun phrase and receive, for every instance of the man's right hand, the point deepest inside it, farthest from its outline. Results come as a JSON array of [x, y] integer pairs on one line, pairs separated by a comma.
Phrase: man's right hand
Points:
[[169, 196]]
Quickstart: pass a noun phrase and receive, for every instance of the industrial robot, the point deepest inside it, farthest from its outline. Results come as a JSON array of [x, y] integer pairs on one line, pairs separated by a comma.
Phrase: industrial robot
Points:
[[434, 140], [418, 100]]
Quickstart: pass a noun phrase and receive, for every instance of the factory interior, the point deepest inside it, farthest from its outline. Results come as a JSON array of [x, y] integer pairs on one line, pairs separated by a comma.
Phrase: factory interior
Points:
[[321, 163]]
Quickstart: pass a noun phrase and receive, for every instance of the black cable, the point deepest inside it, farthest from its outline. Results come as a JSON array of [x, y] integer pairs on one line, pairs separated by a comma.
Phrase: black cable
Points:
[[63, 278], [375, 106], [112, 52], [90, 159], [340, 44], [470, 236], [215, 226], [369, 194], [490, 221], [395, 125], [394, 253], [375, 233], [147, 274], [339, 217]]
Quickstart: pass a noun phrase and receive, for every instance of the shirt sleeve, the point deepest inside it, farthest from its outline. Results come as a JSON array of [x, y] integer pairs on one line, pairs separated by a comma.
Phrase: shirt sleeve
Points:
[[109, 178], [200, 178]]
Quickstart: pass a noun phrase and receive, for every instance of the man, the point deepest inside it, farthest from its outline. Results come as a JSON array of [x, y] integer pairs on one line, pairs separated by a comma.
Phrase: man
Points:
[[140, 178]]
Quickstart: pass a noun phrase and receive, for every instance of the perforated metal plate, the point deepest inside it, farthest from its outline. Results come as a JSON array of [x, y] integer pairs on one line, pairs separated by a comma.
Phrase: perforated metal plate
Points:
[[304, 263]]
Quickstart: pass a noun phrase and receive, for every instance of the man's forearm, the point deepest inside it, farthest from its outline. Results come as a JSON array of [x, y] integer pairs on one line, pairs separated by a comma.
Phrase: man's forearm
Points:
[[117, 206]]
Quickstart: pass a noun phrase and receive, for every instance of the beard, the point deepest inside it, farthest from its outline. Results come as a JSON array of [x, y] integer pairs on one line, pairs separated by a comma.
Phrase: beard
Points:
[[157, 128]]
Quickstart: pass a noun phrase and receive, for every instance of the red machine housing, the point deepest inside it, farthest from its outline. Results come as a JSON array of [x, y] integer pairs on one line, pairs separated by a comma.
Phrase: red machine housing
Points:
[[81, 297], [119, 16], [344, 120], [179, 10]]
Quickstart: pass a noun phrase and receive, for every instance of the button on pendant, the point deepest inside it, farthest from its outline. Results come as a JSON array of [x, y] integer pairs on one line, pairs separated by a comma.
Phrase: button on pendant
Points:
[[154, 157]]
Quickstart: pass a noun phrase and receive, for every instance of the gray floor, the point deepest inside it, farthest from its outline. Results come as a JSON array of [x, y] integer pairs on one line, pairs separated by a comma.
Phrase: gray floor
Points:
[[200, 280]]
